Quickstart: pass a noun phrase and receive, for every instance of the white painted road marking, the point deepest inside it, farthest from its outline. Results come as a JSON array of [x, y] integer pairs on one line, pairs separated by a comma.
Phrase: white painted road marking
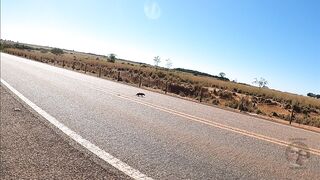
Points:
[[117, 163]]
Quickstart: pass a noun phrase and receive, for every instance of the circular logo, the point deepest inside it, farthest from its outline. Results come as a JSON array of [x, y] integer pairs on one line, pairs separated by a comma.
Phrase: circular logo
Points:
[[297, 154]]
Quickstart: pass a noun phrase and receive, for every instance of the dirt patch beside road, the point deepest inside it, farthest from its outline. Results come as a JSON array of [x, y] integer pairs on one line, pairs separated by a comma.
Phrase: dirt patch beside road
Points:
[[31, 150]]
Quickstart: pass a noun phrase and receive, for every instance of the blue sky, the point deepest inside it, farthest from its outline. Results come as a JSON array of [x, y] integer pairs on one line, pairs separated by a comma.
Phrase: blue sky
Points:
[[275, 39]]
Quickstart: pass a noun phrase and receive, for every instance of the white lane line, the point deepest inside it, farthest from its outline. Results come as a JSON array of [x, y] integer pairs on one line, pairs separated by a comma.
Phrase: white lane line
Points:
[[115, 162]]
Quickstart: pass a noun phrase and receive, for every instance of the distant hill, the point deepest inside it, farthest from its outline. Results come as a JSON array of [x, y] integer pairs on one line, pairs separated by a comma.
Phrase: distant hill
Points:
[[198, 73]]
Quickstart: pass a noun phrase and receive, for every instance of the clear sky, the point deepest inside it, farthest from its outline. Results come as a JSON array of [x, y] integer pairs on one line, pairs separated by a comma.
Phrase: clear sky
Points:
[[275, 39]]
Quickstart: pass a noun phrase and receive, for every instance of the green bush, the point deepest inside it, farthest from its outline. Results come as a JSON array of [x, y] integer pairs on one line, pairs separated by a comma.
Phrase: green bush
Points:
[[112, 58], [56, 51]]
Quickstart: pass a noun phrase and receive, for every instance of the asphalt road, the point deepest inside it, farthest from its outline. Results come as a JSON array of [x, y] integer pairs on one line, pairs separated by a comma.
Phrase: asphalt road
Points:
[[162, 136], [29, 149]]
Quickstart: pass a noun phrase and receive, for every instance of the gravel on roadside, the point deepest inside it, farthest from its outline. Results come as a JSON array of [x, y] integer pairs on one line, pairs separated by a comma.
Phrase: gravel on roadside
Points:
[[29, 149]]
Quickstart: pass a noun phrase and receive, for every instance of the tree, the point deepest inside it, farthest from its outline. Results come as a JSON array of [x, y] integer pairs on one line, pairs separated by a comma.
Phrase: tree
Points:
[[157, 61], [222, 75], [314, 95], [311, 95], [57, 51], [112, 57], [168, 63], [261, 83]]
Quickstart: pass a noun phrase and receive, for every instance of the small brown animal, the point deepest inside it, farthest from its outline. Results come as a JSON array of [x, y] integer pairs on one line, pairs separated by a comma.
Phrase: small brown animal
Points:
[[140, 94]]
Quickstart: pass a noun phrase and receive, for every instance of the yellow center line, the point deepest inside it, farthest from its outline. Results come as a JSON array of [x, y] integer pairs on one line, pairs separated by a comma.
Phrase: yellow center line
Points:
[[208, 122], [198, 119]]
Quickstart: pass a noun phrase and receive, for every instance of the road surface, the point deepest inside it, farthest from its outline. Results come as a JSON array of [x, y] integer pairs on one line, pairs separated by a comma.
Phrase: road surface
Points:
[[31, 150], [161, 136]]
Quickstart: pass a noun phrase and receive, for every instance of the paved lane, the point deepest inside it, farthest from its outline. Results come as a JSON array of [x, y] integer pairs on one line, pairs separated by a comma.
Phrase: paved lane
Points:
[[160, 143]]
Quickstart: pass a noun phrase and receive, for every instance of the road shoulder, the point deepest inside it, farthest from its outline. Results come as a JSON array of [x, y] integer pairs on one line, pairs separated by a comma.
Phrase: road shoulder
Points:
[[31, 150]]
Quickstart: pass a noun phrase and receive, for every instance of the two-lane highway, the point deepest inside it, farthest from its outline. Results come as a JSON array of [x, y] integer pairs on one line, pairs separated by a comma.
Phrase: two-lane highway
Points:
[[161, 136]]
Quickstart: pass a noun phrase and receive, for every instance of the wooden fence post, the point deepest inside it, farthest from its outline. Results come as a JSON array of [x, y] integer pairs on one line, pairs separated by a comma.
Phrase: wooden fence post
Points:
[[85, 68], [140, 78], [99, 72], [118, 75], [166, 90], [292, 115], [200, 99]]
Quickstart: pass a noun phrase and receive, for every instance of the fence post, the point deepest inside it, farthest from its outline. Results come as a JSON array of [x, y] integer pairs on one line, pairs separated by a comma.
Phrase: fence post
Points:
[[73, 65], [85, 68], [200, 95], [99, 72], [118, 75], [166, 90], [63, 64], [140, 78], [292, 116]]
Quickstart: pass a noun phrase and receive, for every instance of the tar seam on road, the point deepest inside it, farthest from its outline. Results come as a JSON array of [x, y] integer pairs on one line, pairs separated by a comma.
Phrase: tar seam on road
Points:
[[123, 167]]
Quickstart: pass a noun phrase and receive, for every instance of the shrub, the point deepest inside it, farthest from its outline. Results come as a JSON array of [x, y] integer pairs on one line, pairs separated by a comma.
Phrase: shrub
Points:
[[44, 50], [297, 108], [233, 104], [287, 106], [215, 92], [258, 111], [274, 114], [246, 104], [112, 58], [215, 102], [182, 94], [282, 116], [225, 95], [56, 51], [161, 74]]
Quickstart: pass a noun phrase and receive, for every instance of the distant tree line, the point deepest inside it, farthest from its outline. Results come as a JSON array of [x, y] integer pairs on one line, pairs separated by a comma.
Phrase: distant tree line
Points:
[[22, 46], [16, 45], [314, 95], [6, 44]]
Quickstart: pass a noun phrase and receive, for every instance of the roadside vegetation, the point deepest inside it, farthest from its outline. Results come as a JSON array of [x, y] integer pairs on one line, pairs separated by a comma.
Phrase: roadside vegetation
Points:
[[215, 90]]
